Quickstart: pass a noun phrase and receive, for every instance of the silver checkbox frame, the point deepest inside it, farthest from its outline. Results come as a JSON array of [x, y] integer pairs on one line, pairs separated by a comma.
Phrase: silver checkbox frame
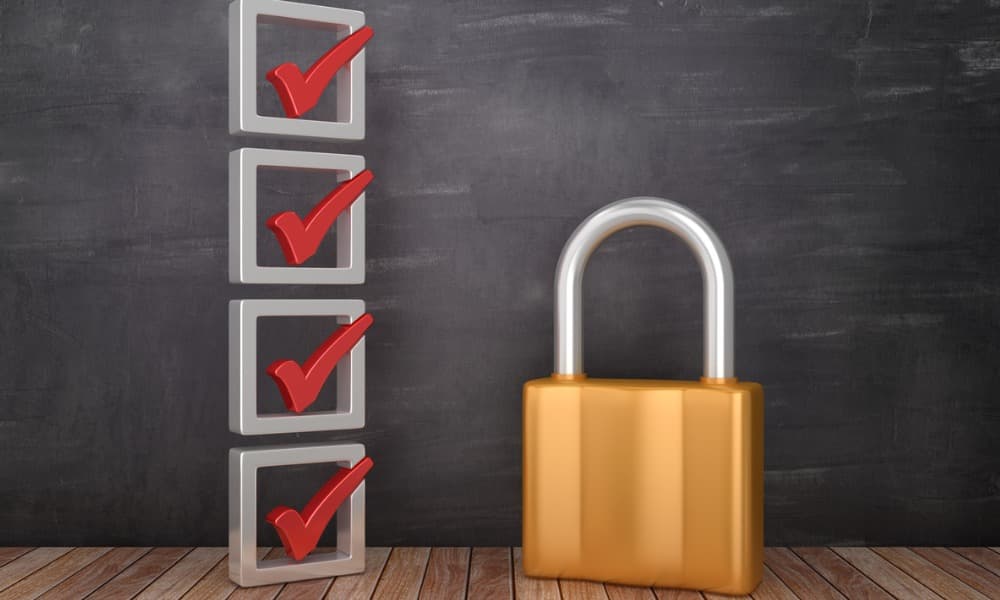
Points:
[[350, 228], [244, 417], [244, 16], [244, 567]]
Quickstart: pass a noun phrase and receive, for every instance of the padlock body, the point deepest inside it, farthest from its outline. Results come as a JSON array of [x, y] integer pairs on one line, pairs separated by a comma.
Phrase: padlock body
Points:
[[643, 482]]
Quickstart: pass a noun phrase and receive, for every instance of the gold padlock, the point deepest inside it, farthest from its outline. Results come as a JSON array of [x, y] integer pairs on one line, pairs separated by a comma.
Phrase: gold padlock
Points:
[[645, 482]]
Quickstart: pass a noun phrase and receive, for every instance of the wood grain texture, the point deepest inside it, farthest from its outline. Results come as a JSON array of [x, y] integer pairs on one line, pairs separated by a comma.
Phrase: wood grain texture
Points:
[[932, 576], [314, 589], [983, 557], [10, 553], [621, 592], [772, 588], [306, 590], [96, 574], [140, 574], [262, 592], [582, 590], [802, 579], [184, 574], [28, 563], [970, 573], [447, 574], [216, 585], [490, 574], [843, 151], [859, 572], [713, 596], [841, 574], [671, 594], [884, 573], [265, 592], [403, 574], [363, 584], [52, 574], [532, 587]]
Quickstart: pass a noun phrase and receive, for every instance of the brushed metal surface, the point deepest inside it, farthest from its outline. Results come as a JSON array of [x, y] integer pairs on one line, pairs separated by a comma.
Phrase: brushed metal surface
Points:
[[244, 567], [244, 16], [717, 278], [350, 373], [243, 218]]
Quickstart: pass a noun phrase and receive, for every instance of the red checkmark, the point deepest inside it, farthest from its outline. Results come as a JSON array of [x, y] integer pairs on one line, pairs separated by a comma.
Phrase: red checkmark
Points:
[[300, 385], [298, 92], [300, 238], [300, 533]]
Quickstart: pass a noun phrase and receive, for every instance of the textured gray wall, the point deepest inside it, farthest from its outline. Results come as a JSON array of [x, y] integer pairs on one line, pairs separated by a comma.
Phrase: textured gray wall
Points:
[[846, 152]]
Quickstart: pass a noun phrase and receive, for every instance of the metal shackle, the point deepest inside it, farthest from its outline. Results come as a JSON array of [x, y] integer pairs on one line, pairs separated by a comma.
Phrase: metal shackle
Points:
[[716, 272]]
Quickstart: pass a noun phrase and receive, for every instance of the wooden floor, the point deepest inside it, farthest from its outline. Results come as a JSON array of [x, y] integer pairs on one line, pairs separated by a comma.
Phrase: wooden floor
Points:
[[486, 573]]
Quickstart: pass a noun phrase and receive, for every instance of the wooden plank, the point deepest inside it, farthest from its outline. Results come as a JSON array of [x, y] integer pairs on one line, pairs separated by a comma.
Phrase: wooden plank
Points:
[[314, 589], [929, 574], [140, 574], [97, 573], [574, 589], [772, 588], [625, 592], [984, 557], [447, 574], [972, 573], [27, 564], [216, 584], [884, 573], [403, 574], [962, 568], [712, 596], [840, 573], [183, 575], [10, 553], [674, 594], [311, 589], [531, 587], [802, 579], [260, 592], [490, 574], [52, 574], [363, 584]]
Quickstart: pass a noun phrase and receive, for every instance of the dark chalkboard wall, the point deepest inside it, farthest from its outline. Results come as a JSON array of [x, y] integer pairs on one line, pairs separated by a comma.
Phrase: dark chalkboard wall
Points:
[[846, 152]]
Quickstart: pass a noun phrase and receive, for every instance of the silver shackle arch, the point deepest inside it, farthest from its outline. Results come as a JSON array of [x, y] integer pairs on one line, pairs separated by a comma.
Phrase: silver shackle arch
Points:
[[716, 273]]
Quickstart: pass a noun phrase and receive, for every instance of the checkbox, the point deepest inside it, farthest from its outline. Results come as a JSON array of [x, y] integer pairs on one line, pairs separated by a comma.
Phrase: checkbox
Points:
[[244, 415], [244, 567], [244, 16], [244, 165]]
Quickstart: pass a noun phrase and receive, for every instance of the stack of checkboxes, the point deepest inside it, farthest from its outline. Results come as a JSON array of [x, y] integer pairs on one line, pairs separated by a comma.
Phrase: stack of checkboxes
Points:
[[342, 211]]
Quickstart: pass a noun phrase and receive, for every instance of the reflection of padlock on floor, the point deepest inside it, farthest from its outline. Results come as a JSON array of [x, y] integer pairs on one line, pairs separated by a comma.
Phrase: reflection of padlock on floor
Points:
[[645, 482]]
